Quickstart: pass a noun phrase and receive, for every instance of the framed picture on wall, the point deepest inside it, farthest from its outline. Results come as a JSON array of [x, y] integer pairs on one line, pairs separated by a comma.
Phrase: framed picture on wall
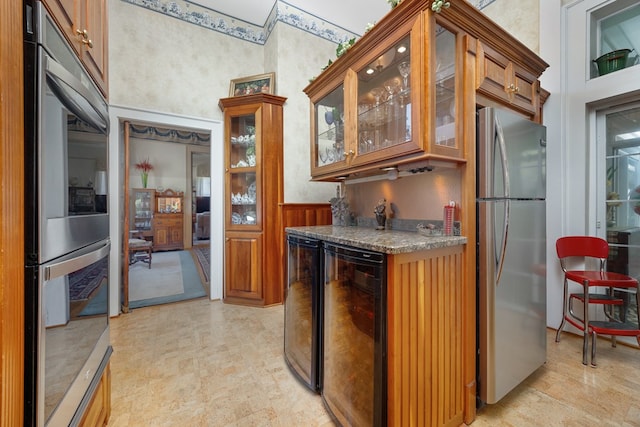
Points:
[[262, 83]]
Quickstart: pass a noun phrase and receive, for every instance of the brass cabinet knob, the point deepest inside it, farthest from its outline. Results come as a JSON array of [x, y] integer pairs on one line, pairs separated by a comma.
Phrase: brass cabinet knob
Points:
[[85, 37]]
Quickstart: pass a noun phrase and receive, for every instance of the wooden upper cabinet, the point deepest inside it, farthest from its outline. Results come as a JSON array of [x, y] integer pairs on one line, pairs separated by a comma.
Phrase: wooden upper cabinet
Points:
[[84, 24], [389, 101], [402, 95], [505, 81]]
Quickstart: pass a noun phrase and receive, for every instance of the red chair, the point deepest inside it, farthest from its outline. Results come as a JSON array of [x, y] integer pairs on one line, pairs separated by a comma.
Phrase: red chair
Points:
[[586, 247]]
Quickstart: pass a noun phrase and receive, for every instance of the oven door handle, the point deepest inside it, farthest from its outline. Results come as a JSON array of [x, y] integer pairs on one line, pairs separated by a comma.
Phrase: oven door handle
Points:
[[75, 96], [68, 266]]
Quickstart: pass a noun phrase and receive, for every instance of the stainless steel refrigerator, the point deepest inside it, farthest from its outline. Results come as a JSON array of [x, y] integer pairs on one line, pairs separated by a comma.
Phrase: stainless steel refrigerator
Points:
[[511, 251]]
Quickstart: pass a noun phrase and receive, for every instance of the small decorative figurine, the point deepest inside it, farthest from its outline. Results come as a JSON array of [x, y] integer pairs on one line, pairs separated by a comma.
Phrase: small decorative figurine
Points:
[[380, 214], [340, 209]]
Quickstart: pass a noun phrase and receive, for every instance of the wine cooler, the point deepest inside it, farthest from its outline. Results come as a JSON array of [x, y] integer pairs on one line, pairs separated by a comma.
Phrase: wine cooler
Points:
[[354, 338], [303, 310]]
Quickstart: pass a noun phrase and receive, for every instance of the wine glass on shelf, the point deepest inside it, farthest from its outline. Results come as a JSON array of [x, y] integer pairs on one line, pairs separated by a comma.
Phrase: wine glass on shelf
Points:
[[404, 68], [377, 92], [391, 86]]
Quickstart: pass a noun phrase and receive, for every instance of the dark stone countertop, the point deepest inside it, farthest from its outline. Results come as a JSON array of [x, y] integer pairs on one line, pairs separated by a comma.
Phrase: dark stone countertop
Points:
[[385, 241]]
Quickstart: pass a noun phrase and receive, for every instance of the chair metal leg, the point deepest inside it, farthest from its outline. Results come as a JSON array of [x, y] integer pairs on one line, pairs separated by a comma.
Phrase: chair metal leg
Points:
[[585, 316], [564, 311], [593, 348]]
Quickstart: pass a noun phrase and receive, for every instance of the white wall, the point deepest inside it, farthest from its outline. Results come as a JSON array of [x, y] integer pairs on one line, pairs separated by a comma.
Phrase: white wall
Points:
[[168, 160], [569, 115]]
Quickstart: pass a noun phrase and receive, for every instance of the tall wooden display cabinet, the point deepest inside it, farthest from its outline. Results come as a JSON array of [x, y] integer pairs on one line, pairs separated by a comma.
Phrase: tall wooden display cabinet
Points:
[[253, 141]]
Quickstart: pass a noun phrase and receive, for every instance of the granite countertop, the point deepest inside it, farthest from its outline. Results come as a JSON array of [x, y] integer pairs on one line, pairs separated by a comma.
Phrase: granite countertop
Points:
[[385, 241]]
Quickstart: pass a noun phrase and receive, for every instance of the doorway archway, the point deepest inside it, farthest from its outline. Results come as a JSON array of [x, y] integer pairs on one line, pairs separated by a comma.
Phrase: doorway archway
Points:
[[116, 200]]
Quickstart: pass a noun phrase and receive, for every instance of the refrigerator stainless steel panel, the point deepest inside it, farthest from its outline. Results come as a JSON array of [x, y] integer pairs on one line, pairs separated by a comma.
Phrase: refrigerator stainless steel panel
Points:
[[511, 234], [521, 143], [512, 294]]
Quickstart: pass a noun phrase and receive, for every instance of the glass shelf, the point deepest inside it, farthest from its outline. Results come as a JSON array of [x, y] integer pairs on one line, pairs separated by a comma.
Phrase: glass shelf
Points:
[[384, 99]]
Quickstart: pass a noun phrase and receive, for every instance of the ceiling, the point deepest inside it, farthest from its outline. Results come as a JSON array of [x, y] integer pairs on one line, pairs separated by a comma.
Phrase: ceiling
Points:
[[352, 15]]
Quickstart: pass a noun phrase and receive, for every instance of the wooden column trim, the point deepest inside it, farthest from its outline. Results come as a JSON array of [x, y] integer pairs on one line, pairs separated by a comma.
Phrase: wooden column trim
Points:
[[11, 215], [126, 225]]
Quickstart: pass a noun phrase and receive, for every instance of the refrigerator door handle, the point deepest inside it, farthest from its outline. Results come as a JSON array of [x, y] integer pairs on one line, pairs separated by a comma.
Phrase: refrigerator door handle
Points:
[[502, 146], [503, 246]]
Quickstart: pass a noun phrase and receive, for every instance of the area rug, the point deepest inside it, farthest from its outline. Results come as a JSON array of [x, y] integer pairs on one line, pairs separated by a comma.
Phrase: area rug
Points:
[[163, 279], [191, 283], [201, 254]]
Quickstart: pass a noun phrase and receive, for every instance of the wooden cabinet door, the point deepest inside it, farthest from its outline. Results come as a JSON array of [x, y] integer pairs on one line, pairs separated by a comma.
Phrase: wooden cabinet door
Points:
[[243, 268], [67, 14], [88, 17], [160, 237], [94, 55], [99, 410], [175, 232], [506, 82]]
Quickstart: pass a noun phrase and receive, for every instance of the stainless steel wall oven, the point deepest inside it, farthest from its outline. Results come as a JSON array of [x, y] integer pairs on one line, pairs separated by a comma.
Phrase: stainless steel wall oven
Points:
[[66, 227]]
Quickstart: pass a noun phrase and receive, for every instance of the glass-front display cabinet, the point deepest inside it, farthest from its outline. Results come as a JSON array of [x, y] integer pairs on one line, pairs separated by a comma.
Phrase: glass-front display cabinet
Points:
[[253, 141], [142, 208], [385, 106]]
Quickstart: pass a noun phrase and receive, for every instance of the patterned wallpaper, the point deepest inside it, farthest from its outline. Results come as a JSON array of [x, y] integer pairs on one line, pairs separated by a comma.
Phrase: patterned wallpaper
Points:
[[186, 66]]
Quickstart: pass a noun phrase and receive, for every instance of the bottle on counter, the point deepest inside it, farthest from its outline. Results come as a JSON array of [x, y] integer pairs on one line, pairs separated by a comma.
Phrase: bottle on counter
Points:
[[447, 223]]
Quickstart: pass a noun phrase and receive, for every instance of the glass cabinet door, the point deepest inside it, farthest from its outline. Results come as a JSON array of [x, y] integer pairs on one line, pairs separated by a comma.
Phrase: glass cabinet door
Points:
[[384, 100], [142, 208], [329, 124], [242, 179], [445, 88]]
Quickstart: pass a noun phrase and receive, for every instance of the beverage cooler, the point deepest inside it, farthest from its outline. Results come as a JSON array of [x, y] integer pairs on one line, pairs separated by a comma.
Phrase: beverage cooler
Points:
[[303, 310], [354, 338]]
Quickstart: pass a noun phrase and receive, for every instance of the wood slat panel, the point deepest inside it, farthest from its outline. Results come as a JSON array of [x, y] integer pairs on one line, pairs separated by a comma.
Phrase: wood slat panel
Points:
[[425, 381], [298, 215], [11, 215]]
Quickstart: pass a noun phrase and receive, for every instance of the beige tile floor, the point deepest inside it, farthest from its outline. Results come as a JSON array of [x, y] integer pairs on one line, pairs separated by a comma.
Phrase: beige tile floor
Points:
[[202, 363]]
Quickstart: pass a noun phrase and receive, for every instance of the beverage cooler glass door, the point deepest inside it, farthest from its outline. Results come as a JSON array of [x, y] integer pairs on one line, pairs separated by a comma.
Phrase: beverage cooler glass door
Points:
[[302, 310], [354, 346]]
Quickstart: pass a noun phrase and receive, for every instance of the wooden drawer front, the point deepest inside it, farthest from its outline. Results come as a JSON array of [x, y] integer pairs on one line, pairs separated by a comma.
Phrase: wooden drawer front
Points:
[[168, 222], [425, 365]]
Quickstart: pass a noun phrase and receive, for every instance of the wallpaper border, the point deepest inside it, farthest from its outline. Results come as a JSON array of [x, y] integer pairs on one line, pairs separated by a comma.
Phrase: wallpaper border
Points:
[[282, 11]]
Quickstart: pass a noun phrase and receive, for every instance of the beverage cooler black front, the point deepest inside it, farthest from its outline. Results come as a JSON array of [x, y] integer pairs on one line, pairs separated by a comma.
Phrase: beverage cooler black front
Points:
[[303, 310], [354, 335]]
